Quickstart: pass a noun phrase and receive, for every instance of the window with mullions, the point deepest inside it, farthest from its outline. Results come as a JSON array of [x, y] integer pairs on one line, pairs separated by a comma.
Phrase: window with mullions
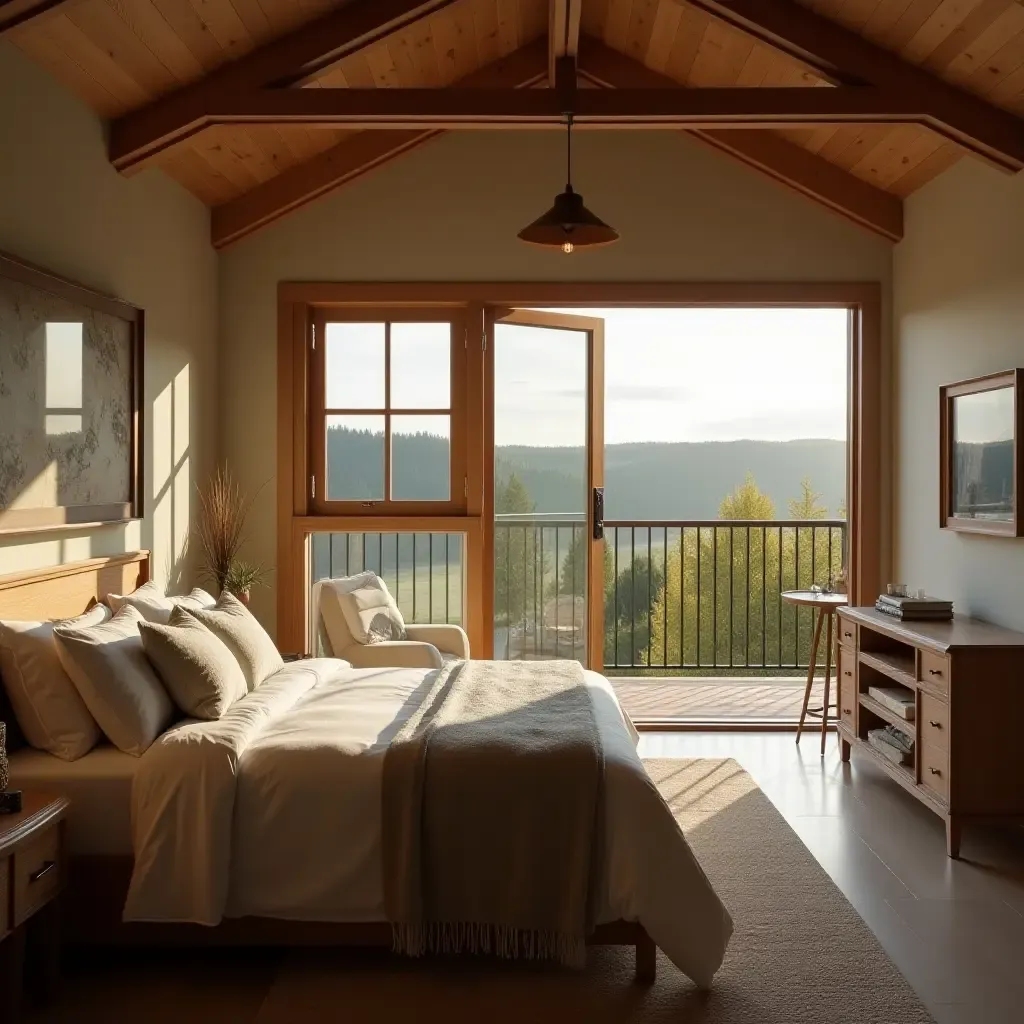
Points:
[[388, 423]]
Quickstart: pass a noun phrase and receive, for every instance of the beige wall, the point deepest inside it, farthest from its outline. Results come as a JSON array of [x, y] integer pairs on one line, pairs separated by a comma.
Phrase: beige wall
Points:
[[958, 312], [144, 240], [450, 211]]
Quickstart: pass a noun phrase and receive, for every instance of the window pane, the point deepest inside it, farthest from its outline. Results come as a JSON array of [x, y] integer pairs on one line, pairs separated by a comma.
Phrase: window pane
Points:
[[421, 358], [421, 458], [354, 356], [355, 458]]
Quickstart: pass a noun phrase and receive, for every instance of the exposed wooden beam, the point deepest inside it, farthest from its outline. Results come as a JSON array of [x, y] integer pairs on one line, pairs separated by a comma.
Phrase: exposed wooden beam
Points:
[[354, 157], [15, 13], [843, 56], [474, 108], [142, 135], [791, 165], [563, 32]]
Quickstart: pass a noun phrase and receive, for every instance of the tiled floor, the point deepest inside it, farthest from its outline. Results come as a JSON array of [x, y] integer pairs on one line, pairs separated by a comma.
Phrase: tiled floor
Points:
[[954, 928], [701, 699]]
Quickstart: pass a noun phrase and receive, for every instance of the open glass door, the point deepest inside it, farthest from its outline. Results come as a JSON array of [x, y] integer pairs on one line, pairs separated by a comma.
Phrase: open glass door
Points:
[[548, 486]]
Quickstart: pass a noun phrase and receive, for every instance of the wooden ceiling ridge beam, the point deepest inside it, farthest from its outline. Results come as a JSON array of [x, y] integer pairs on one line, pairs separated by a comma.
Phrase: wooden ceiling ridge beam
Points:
[[18, 13], [843, 56], [564, 18], [139, 137], [791, 165], [363, 152], [475, 108]]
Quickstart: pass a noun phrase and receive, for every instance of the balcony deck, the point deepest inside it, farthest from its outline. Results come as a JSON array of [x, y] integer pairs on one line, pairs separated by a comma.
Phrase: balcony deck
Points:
[[774, 700]]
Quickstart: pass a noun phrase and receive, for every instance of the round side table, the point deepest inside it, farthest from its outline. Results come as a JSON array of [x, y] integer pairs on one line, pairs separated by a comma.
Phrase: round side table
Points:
[[826, 605]]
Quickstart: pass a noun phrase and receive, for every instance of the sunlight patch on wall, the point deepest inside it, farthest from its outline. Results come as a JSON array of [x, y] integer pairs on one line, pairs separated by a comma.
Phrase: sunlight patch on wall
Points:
[[63, 378]]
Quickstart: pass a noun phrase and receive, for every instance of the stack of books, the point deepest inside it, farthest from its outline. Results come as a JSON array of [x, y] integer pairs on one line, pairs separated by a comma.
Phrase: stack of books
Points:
[[915, 608]]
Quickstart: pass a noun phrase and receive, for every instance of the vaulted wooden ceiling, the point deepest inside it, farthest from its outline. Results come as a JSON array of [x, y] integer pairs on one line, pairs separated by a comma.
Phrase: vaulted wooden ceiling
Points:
[[196, 85]]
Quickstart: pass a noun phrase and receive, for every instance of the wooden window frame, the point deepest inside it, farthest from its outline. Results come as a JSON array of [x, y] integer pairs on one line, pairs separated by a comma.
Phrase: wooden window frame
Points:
[[868, 557], [318, 412]]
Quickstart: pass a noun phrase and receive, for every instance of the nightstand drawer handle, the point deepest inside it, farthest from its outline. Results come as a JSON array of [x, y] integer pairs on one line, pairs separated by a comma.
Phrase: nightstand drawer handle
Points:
[[935, 725], [847, 633], [847, 711], [847, 672], [935, 671], [935, 771], [48, 866]]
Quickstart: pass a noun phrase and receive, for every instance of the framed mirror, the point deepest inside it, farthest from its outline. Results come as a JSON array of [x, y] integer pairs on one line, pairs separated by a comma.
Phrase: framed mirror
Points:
[[981, 423]]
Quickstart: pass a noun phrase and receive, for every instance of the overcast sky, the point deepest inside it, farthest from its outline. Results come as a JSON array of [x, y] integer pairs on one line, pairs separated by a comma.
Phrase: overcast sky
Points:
[[678, 375]]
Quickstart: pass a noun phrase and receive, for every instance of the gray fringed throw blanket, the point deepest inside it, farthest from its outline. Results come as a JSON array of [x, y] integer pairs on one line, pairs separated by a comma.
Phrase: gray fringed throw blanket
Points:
[[493, 814]]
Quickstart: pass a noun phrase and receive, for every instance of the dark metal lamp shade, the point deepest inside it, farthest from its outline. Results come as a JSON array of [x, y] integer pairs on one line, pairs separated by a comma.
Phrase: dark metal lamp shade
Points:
[[568, 225]]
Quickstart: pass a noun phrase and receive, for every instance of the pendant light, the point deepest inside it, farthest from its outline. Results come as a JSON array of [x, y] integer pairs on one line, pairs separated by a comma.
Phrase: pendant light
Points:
[[568, 225]]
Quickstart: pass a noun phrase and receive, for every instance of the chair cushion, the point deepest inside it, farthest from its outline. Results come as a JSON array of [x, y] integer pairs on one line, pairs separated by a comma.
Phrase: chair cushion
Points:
[[367, 609], [243, 635], [194, 664], [114, 678], [52, 716]]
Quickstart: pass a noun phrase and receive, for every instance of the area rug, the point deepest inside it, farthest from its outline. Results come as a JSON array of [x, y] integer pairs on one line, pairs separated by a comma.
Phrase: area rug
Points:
[[800, 953]]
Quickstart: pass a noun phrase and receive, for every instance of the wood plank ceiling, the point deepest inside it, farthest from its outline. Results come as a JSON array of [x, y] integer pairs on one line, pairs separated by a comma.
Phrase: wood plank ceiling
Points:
[[120, 55]]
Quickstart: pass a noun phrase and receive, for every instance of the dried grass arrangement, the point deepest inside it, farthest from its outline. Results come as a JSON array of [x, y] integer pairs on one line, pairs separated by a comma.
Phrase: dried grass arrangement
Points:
[[223, 509]]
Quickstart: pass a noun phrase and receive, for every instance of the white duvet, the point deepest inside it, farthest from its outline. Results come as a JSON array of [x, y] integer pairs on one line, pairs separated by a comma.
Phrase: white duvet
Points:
[[274, 811]]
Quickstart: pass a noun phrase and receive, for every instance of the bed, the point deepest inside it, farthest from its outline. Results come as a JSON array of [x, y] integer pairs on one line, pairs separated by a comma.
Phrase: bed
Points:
[[280, 842]]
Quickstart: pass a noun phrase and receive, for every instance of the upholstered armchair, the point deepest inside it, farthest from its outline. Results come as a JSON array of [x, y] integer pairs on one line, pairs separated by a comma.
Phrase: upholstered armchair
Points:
[[427, 646]]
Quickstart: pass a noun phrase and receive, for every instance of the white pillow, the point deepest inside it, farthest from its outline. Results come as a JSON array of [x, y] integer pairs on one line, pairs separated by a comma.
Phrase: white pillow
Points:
[[49, 710], [155, 606], [114, 678], [370, 611], [247, 640], [196, 667]]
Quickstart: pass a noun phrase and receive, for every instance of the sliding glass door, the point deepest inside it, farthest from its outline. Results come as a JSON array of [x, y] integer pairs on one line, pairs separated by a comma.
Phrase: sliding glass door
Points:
[[548, 485]]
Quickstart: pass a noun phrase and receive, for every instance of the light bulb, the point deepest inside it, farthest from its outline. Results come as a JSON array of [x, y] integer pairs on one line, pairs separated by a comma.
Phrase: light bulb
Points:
[[567, 247]]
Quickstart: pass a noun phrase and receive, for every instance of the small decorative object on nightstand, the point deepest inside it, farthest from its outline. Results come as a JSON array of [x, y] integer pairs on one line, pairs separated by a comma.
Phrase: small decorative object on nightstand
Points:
[[32, 873]]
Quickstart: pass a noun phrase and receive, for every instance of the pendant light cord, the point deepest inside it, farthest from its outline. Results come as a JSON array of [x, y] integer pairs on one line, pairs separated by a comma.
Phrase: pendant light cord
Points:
[[568, 151]]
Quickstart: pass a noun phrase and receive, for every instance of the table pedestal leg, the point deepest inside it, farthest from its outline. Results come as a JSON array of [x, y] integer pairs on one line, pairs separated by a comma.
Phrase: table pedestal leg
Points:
[[810, 672], [828, 676]]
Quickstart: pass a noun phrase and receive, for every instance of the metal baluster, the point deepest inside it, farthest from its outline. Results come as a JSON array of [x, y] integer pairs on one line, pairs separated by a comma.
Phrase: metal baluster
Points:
[[632, 596], [714, 596], [525, 577], [664, 603], [781, 587], [430, 578], [732, 571], [699, 589], [508, 591], [447, 588], [572, 572], [764, 596], [557, 591], [414, 578], [682, 596], [746, 610], [615, 599], [538, 589]]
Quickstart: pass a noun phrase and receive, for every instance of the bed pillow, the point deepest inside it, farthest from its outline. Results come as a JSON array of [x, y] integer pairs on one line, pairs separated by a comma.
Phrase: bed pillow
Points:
[[196, 667], [370, 611], [156, 606], [52, 716], [114, 678], [247, 640]]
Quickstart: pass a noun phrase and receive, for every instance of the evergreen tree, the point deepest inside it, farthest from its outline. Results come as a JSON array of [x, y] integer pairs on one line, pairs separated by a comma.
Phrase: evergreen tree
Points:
[[808, 505]]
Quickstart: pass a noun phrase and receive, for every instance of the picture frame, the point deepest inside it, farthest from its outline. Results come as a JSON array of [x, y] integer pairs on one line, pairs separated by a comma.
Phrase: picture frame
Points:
[[981, 426], [71, 420]]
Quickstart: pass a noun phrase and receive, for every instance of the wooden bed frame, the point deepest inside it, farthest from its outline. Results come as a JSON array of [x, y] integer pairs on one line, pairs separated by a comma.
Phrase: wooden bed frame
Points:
[[99, 884]]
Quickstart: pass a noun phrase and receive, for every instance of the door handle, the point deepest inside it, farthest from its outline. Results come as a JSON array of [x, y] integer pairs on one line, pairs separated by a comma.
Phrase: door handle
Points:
[[598, 512]]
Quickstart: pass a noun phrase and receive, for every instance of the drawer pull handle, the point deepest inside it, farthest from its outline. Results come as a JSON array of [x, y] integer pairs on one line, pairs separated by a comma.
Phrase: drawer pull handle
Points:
[[935, 671], [47, 867], [847, 711], [847, 633], [935, 725], [935, 771]]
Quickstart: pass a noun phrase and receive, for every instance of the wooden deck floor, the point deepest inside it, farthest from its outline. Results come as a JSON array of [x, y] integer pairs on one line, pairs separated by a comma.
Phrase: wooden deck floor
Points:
[[695, 698]]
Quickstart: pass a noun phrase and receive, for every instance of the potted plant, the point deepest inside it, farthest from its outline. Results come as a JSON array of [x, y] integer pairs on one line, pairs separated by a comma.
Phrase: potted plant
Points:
[[222, 513]]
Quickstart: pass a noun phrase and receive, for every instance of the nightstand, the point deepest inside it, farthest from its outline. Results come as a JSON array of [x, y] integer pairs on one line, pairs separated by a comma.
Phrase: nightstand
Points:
[[33, 870]]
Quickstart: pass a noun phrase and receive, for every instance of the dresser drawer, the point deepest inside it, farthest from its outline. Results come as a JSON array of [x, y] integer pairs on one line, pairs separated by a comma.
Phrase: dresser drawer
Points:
[[934, 722], [935, 670], [5, 896], [935, 770], [848, 634], [846, 673], [38, 873]]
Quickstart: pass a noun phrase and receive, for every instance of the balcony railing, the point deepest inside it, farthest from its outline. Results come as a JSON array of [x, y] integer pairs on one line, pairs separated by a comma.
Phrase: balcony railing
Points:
[[679, 597]]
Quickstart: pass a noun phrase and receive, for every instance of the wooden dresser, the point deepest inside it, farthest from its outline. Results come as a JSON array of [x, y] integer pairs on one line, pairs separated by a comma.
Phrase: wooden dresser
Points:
[[967, 681]]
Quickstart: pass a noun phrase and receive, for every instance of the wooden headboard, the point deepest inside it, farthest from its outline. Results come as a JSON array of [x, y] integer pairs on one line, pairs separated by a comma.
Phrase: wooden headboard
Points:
[[63, 591]]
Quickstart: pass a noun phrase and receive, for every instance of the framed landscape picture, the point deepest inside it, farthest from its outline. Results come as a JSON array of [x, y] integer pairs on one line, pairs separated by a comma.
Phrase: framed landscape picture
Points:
[[981, 423], [71, 365]]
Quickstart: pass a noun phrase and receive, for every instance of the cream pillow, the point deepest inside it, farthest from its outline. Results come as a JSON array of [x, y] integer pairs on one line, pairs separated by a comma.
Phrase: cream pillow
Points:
[[52, 716], [370, 611], [196, 668], [155, 606], [247, 640], [114, 678]]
